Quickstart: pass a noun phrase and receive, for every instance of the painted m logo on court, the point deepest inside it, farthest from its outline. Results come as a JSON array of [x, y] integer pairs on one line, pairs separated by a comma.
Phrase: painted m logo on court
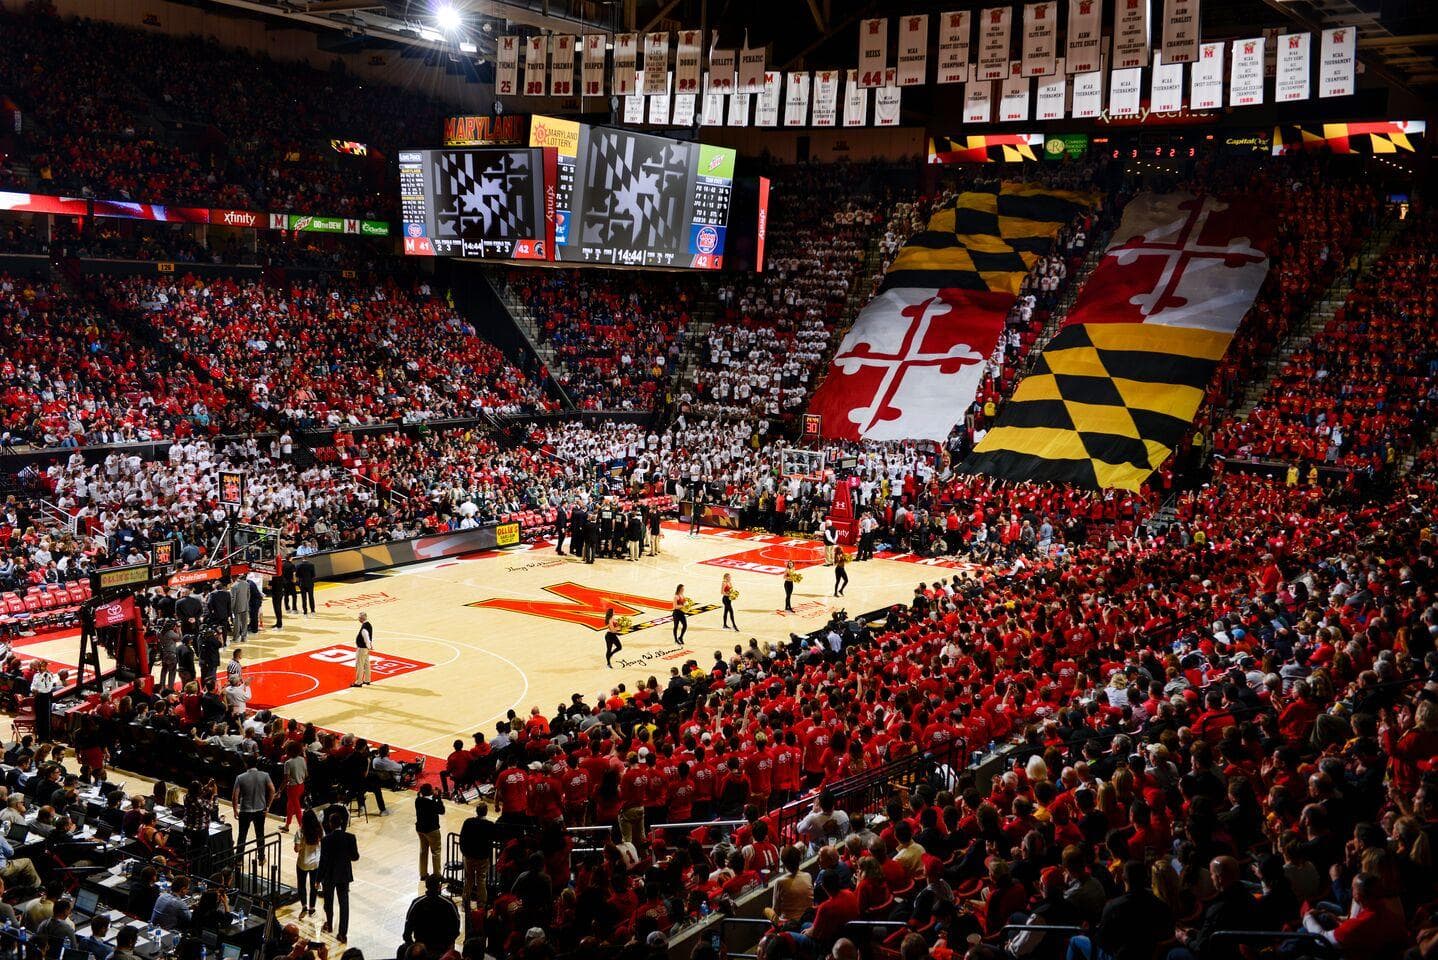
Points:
[[582, 605]]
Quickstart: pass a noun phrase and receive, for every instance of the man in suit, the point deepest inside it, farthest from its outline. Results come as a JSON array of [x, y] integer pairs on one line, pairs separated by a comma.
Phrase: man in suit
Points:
[[217, 607], [277, 599], [364, 643], [561, 527], [305, 577], [287, 583], [240, 609], [338, 852]]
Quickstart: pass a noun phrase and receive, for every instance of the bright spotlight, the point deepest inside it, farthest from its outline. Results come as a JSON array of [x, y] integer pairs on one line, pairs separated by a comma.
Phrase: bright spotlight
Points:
[[447, 18]]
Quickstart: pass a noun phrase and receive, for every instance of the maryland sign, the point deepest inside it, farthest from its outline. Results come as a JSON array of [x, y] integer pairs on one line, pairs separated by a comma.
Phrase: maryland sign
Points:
[[586, 606]]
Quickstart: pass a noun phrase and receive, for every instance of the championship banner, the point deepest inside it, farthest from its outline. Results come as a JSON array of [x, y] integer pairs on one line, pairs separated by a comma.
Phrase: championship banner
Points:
[[1040, 38], [826, 98], [955, 29], [1381, 137], [995, 41], [722, 65], [506, 67], [886, 101], [593, 68], [1014, 100], [1181, 31], [1294, 59], [978, 97], [561, 69], [796, 99], [1118, 387], [1124, 92], [1337, 62], [536, 66], [656, 62], [739, 110], [751, 69], [626, 50], [686, 63], [1166, 90], [1130, 35], [634, 101], [684, 109], [1051, 94], [916, 355], [873, 52], [1245, 78], [712, 114], [1205, 82], [1083, 53], [986, 148], [913, 66], [659, 104], [766, 109], [1088, 94], [856, 101]]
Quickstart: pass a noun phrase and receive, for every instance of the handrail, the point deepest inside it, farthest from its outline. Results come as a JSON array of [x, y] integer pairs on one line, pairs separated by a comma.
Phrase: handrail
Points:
[[692, 824]]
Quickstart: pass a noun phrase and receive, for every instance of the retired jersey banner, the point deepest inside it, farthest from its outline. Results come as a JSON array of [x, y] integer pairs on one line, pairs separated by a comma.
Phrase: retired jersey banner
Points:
[[913, 361], [1130, 36], [1245, 79], [1118, 387], [722, 65], [1166, 91], [1337, 62], [796, 99], [506, 67], [1181, 23], [826, 98], [856, 101], [1205, 86], [766, 108], [978, 101], [1088, 94], [1124, 92], [686, 62], [1083, 53], [561, 69], [751, 69], [536, 66], [913, 67], [995, 41], [1051, 94], [886, 100], [656, 62], [1040, 38], [873, 51], [626, 56], [1294, 63], [955, 28], [1014, 100], [592, 70]]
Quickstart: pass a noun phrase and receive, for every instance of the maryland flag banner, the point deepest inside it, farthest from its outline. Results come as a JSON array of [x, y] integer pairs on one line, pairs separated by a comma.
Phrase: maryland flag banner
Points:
[[915, 357], [1118, 387], [1381, 137], [987, 148]]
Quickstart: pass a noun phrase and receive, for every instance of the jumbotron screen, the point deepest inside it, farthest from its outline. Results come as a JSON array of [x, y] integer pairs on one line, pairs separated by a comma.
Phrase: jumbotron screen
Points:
[[474, 203], [630, 199]]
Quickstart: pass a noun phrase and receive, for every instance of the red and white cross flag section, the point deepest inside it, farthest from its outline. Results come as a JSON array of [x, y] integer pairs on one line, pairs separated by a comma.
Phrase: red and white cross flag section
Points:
[[911, 364], [1180, 261]]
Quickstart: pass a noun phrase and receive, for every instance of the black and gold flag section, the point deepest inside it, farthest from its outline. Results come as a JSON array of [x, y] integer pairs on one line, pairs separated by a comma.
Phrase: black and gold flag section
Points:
[[986, 240], [1104, 406]]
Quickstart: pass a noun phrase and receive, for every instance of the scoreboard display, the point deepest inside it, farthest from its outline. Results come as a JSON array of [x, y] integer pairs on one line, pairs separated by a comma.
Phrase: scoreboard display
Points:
[[638, 200], [475, 203]]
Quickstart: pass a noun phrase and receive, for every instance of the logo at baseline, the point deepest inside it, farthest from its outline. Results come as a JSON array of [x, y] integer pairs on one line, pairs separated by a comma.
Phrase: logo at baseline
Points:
[[585, 606]]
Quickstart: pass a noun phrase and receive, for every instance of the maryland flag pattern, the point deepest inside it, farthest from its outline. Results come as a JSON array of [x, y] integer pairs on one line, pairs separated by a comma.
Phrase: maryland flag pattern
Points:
[[986, 241], [1117, 388], [983, 148], [1379, 137]]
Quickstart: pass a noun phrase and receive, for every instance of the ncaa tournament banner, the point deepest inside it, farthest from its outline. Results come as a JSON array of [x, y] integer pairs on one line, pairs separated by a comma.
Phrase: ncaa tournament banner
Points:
[[626, 50], [1245, 78], [1181, 31], [977, 101], [913, 49], [1336, 62], [886, 101], [656, 63], [1130, 34], [1294, 61], [1084, 33], [1014, 100], [1205, 83], [955, 29], [826, 98], [1051, 94], [561, 70], [686, 63], [593, 68], [796, 99], [995, 41], [1040, 38], [1166, 91], [1088, 94], [1125, 91], [873, 51], [506, 67]]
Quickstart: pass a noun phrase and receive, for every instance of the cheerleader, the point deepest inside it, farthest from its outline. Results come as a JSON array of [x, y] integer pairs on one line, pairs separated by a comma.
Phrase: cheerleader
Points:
[[727, 593], [841, 575], [791, 577], [681, 619], [611, 639]]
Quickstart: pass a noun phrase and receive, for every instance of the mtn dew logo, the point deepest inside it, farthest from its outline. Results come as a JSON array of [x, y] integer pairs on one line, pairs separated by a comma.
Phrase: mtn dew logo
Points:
[[717, 162]]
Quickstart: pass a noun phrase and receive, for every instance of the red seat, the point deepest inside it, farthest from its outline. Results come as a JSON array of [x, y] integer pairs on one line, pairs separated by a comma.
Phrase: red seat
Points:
[[76, 593]]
